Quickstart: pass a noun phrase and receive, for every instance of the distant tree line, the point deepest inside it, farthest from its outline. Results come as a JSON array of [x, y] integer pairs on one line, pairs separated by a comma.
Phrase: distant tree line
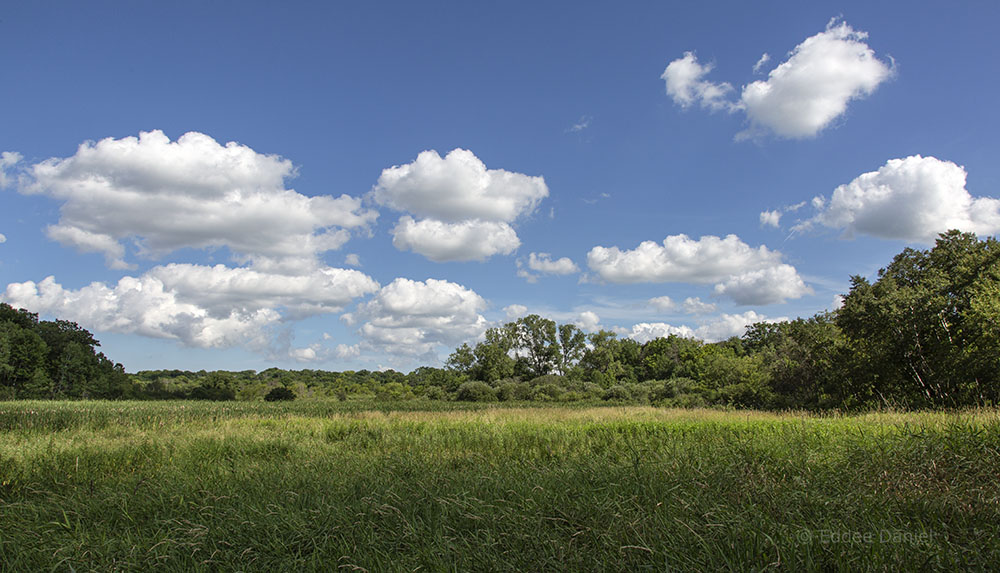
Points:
[[924, 334]]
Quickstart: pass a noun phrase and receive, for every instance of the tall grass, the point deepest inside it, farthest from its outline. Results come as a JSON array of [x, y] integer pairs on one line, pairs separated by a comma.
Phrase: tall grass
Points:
[[320, 486]]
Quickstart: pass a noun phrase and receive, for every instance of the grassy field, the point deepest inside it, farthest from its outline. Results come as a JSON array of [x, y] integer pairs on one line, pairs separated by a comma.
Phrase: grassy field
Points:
[[193, 486]]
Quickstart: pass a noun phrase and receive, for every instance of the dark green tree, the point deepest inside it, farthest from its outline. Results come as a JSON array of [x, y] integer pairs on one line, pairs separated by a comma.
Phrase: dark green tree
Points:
[[922, 330]]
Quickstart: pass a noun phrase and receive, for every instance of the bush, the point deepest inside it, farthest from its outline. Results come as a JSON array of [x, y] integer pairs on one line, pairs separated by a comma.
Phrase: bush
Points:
[[435, 393], [475, 392], [512, 390], [659, 391], [592, 390], [547, 392], [209, 392], [617, 393], [279, 394]]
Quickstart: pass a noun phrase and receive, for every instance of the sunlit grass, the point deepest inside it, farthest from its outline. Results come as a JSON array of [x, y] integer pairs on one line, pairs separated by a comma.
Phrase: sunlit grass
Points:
[[316, 486]]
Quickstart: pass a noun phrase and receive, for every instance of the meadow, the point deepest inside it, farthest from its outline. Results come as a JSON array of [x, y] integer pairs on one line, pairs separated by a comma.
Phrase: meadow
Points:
[[441, 486]]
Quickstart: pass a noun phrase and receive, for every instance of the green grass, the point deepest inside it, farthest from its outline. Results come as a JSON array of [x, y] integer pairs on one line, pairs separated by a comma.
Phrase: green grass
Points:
[[193, 486]]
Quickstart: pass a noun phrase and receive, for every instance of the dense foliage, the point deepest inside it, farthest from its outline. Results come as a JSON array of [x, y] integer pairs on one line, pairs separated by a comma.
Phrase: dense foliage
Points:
[[53, 359], [925, 334]]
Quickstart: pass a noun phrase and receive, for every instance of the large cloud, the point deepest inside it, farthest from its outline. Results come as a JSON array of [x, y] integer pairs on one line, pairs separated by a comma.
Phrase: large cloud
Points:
[[808, 91], [801, 96], [913, 199], [413, 318], [457, 194], [738, 268], [166, 195], [200, 306]]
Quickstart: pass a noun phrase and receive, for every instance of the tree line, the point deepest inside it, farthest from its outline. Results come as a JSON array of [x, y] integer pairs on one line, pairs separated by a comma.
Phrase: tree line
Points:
[[54, 359], [924, 334]]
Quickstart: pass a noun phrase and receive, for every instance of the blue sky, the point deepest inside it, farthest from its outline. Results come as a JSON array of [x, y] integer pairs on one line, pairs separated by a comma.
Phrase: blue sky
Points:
[[237, 185]]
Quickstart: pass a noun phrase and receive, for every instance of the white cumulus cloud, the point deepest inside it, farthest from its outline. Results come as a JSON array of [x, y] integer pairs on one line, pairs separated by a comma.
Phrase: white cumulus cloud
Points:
[[646, 331], [141, 305], [543, 263], [714, 329], [694, 305], [727, 261], [457, 194], [413, 318], [913, 199], [513, 311], [728, 325], [439, 241], [588, 321], [801, 96], [770, 218], [813, 86], [662, 303], [764, 286], [199, 306], [161, 195], [686, 84]]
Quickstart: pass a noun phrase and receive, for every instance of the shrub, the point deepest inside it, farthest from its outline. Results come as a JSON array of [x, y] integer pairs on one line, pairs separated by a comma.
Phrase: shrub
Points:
[[435, 393], [617, 393], [512, 390], [279, 394], [547, 392], [592, 390], [475, 392], [659, 391], [209, 392]]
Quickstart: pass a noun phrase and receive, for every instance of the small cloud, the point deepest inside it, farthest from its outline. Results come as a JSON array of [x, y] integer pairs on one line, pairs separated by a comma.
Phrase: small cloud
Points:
[[770, 218], [693, 305], [3, 238], [837, 302], [662, 303], [581, 125], [588, 321], [773, 218], [760, 63], [524, 273], [8, 159], [686, 85], [345, 352], [515, 311], [543, 263], [352, 260]]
